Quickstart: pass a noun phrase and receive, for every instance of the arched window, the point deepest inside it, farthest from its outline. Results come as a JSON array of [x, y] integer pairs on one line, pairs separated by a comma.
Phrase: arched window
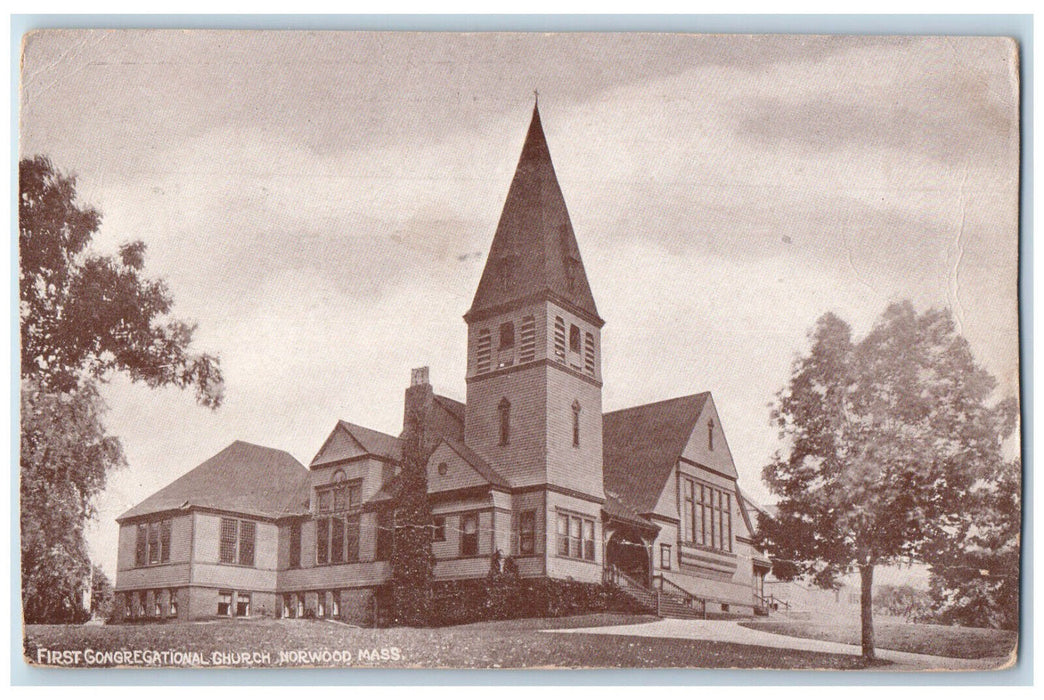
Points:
[[576, 424], [504, 415], [574, 339], [507, 335], [527, 339]]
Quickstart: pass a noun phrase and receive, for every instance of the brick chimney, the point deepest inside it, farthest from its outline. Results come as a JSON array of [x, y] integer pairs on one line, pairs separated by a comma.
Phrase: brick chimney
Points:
[[418, 403]]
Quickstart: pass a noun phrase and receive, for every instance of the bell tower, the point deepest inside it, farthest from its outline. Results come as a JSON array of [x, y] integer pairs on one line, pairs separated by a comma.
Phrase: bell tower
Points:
[[534, 380]]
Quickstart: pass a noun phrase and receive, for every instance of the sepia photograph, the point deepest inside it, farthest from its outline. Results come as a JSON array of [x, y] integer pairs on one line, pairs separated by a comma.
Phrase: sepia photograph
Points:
[[351, 349]]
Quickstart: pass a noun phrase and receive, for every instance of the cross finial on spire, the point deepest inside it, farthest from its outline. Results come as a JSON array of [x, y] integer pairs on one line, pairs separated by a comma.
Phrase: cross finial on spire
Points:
[[536, 98]]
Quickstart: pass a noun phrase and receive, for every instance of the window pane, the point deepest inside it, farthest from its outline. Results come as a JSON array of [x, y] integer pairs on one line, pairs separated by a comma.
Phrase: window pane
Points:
[[340, 498], [574, 339], [507, 335], [336, 540], [563, 535], [246, 543], [295, 545], [324, 501], [154, 548], [352, 538], [165, 540], [589, 545], [469, 536], [242, 604], [229, 534], [224, 603], [141, 546], [439, 529], [322, 541]]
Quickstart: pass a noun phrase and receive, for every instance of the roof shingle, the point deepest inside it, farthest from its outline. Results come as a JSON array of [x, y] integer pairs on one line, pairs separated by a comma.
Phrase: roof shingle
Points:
[[244, 478], [641, 446]]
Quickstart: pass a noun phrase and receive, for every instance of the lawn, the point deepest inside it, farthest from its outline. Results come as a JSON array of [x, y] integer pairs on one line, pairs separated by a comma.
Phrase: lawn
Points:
[[938, 640], [509, 644]]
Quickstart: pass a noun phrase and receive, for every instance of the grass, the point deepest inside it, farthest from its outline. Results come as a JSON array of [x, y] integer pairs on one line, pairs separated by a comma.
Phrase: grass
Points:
[[509, 644], [937, 640]]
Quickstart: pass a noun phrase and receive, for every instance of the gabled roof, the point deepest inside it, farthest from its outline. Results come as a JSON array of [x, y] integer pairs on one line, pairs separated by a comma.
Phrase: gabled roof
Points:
[[477, 463], [534, 251], [618, 510], [372, 442], [641, 446], [453, 407], [242, 478]]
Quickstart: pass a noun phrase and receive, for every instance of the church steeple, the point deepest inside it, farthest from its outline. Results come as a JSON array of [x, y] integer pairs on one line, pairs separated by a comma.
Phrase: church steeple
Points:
[[534, 254]]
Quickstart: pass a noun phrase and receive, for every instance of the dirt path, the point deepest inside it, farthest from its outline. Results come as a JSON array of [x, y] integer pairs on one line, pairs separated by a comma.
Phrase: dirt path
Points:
[[731, 631]]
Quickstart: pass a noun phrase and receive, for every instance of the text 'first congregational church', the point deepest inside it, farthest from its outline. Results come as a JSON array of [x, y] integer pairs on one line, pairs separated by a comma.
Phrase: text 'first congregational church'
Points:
[[529, 466]]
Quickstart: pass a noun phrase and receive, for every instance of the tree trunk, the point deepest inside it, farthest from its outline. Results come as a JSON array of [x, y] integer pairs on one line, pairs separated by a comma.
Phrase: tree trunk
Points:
[[866, 609]]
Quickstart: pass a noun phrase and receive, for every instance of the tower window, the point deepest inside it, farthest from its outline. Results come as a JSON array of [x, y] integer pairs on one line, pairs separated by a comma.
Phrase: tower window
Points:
[[504, 414], [527, 340], [576, 424], [589, 354], [560, 338], [574, 339], [507, 335], [710, 435], [484, 351]]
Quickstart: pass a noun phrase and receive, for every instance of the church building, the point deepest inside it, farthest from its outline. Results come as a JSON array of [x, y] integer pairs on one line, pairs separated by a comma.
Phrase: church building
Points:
[[529, 465]]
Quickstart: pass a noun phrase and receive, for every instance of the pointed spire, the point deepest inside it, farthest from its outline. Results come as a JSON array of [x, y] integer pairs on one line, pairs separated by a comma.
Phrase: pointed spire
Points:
[[534, 252]]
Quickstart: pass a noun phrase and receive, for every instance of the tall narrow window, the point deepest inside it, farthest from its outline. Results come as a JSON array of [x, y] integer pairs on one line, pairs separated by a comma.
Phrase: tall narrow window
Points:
[[710, 435], [507, 336], [484, 351], [665, 556], [322, 541], [589, 540], [154, 539], [141, 548], [242, 604], [527, 532], [246, 543], [574, 339], [469, 534], [576, 424], [563, 535], [229, 533], [172, 602], [560, 338], [527, 340], [589, 354], [438, 532], [504, 420], [336, 540], [689, 512], [351, 538], [295, 545], [165, 540]]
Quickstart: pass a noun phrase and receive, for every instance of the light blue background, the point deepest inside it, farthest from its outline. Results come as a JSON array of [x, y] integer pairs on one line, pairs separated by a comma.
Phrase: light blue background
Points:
[[1018, 26]]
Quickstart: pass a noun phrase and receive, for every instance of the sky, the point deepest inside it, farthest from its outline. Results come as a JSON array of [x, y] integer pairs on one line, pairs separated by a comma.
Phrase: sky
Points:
[[321, 204]]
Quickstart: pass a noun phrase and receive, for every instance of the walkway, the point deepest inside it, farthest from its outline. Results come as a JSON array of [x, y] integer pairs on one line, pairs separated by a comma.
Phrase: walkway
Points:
[[731, 631]]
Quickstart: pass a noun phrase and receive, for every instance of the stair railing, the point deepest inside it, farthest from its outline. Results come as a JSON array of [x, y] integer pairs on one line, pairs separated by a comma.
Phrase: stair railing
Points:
[[666, 585]]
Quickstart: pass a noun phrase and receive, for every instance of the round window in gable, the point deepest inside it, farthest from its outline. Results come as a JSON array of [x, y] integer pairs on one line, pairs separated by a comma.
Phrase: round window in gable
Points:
[[443, 468]]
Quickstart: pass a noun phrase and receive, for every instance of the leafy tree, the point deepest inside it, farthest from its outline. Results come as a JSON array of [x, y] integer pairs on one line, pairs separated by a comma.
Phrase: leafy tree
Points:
[[103, 598], [412, 560], [909, 603], [83, 317], [65, 456], [884, 440], [974, 564]]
